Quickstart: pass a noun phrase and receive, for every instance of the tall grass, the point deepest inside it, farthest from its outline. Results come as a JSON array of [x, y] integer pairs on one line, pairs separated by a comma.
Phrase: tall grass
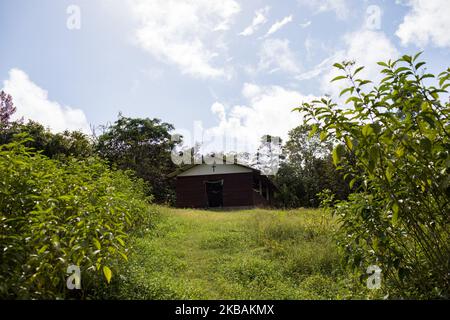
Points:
[[249, 254]]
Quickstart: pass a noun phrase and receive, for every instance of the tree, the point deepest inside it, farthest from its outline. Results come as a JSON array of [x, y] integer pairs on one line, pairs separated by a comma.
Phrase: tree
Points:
[[307, 170], [53, 145], [144, 146], [398, 134], [7, 108]]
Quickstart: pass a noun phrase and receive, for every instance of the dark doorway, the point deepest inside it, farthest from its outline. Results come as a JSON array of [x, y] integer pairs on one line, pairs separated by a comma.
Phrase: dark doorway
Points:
[[214, 192]]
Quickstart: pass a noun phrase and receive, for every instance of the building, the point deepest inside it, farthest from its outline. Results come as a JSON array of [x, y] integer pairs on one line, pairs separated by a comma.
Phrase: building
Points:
[[222, 186]]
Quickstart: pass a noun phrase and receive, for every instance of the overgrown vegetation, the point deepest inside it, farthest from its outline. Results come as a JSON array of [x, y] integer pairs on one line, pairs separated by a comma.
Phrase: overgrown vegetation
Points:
[[67, 198], [398, 136], [144, 146], [53, 145], [59, 213], [306, 170], [249, 254]]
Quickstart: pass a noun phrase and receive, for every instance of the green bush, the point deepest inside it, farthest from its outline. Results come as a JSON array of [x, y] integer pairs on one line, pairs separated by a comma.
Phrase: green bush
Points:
[[393, 144], [60, 213]]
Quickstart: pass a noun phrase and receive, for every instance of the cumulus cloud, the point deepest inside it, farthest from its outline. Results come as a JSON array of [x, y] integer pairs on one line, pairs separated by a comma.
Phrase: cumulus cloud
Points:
[[340, 7], [267, 110], [427, 22], [275, 54], [186, 33], [278, 25], [32, 103], [259, 19]]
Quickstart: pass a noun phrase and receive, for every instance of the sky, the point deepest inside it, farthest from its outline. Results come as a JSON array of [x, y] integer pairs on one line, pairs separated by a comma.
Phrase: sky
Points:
[[224, 73]]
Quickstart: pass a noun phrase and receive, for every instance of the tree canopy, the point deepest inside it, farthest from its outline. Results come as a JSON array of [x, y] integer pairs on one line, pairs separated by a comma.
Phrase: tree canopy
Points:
[[307, 170], [144, 146]]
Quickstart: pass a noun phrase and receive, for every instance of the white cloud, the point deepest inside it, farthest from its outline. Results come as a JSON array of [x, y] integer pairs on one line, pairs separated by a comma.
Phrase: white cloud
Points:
[[268, 110], [32, 103], [251, 90], [278, 25], [318, 69], [340, 7], [186, 33], [219, 110], [428, 21], [275, 54], [306, 24], [366, 48], [259, 19]]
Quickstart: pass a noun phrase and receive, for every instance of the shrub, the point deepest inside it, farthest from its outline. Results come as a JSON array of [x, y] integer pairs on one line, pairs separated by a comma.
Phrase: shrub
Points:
[[397, 136], [60, 213]]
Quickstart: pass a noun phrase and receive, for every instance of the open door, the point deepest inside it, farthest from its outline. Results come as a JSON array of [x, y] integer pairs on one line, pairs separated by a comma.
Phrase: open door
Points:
[[214, 193]]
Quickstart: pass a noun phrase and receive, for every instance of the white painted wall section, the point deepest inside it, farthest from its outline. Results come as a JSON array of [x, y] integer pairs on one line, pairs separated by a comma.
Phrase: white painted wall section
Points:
[[206, 169]]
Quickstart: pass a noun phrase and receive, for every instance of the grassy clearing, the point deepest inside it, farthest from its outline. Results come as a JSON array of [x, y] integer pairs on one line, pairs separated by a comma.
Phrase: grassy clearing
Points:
[[249, 254]]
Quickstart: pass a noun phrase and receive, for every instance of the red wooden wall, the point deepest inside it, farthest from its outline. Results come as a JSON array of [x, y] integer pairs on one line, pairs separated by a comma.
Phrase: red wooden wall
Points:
[[237, 190]]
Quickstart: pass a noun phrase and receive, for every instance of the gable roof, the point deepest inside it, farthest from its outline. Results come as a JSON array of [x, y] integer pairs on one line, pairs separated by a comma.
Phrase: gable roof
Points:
[[185, 168]]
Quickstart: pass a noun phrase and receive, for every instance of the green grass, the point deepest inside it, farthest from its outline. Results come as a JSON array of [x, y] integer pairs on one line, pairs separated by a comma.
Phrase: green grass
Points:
[[248, 254]]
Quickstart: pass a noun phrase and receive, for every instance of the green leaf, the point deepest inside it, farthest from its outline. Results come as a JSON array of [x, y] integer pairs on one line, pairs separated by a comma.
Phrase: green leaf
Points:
[[386, 79], [348, 142], [354, 99], [400, 151], [417, 55], [338, 78], [425, 106], [358, 70], [43, 249], [338, 151], [364, 82], [108, 273], [339, 66], [407, 58], [389, 174], [120, 240], [401, 69], [313, 131], [352, 182], [97, 243], [367, 130], [124, 256], [425, 76], [395, 210], [345, 91], [419, 65]]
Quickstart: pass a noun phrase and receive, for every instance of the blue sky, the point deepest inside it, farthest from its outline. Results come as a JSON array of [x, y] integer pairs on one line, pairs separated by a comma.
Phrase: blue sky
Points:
[[235, 67]]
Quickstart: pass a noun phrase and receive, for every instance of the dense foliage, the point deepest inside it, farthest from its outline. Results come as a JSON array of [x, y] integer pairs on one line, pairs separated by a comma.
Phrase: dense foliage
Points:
[[144, 146], [53, 145], [307, 170], [60, 213], [398, 134]]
